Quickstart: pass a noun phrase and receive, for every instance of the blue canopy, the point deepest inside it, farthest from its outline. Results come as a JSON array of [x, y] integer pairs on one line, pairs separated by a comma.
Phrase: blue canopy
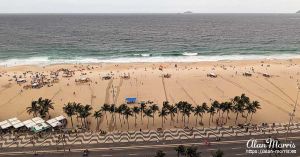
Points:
[[130, 100]]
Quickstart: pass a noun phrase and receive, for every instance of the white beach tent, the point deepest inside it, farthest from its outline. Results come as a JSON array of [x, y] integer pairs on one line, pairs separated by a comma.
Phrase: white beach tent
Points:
[[59, 118], [29, 123], [54, 122], [5, 124], [18, 125], [38, 120], [15, 122]]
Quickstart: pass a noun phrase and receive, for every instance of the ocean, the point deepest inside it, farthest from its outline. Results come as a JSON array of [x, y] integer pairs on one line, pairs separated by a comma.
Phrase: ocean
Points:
[[96, 38]]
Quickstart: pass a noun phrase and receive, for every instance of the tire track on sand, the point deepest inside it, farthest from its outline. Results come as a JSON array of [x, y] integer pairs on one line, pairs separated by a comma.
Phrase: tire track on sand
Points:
[[263, 99], [106, 100]]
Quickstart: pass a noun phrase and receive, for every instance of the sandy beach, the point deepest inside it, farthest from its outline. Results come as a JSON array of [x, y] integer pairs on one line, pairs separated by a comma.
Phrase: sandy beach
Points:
[[188, 82]]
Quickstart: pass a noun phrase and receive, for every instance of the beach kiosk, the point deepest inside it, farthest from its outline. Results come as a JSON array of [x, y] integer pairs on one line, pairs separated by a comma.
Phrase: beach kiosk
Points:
[[39, 127], [130, 100]]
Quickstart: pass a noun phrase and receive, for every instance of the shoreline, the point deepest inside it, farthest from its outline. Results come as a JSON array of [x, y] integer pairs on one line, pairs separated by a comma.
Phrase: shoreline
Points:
[[251, 61], [44, 61]]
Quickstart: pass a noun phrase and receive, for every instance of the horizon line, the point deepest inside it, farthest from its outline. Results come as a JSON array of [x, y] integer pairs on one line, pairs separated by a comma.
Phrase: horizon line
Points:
[[147, 13]]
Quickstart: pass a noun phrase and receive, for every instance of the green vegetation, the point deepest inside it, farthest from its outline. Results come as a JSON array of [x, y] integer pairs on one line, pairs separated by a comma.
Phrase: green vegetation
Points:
[[218, 112]]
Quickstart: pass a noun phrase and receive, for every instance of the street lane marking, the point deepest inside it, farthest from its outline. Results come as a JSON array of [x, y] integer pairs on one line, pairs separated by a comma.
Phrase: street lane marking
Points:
[[236, 148], [211, 149], [239, 154]]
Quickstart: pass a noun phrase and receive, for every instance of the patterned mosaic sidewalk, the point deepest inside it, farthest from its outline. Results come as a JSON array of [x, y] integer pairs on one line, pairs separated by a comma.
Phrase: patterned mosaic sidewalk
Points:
[[27, 140]]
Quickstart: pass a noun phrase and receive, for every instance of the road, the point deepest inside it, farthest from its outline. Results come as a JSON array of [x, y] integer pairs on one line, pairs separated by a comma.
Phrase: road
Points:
[[231, 146]]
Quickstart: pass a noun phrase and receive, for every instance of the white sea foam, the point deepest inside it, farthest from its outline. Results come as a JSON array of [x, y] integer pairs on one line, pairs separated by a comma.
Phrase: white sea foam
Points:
[[189, 54], [136, 59], [146, 54]]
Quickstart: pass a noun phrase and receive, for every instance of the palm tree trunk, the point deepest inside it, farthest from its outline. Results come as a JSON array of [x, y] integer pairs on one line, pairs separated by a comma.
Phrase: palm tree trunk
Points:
[[106, 118], [120, 120], [237, 114], [97, 126], [201, 118], [162, 122], [81, 122], [142, 117], [247, 117], [77, 117], [196, 120], [209, 119], [222, 117], [135, 119], [85, 121], [251, 117], [153, 119], [148, 123], [127, 123], [72, 122], [184, 121], [227, 117]]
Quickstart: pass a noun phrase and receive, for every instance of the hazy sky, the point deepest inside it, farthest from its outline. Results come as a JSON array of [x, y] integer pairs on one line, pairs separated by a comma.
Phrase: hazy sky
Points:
[[149, 6]]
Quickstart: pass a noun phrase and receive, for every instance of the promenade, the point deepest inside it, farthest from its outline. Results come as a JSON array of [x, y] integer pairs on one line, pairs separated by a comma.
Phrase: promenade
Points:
[[24, 141]]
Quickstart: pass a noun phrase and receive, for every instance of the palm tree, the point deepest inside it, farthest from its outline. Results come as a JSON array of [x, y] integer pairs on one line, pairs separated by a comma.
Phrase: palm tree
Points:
[[205, 108], [155, 109], [45, 104], [249, 108], [228, 108], [136, 110], [211, 112], [69, 109], [97, 115], [245, 99], [84, 113], [180, 150], [192, 151], [256, 106], [218, 153], [166, 105], [105, 108], [163, 114], [127, 113], [172, 112], [122, 109], [198, 112], [120, 112], [217, 107], [186, 111], [33, 109], [160, 153], [143, 106], [148, 113], [78, 107], [238, 106], [112, 111], [179, 107], [41, 107]]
